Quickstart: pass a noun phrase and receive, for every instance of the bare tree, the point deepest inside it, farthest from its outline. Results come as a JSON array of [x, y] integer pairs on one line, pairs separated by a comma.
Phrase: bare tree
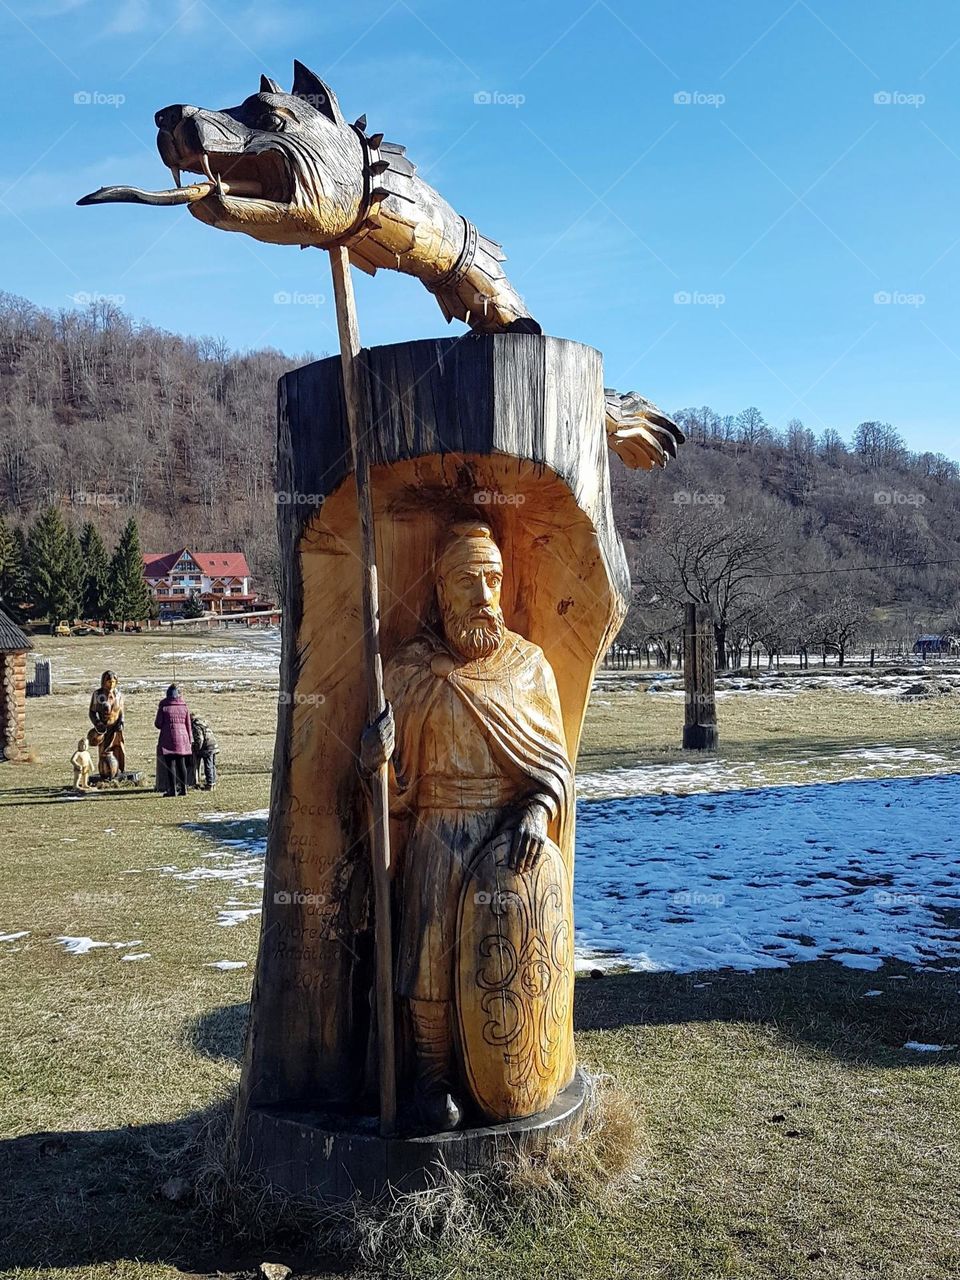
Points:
[[714, 559], [840, 621]]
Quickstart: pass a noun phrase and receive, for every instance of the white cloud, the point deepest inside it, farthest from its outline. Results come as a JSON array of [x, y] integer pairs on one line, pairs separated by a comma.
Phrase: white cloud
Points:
[[131, 17]]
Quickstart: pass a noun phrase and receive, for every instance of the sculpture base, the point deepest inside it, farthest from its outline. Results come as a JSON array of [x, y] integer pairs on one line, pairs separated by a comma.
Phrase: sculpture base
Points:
[[300, 1153]]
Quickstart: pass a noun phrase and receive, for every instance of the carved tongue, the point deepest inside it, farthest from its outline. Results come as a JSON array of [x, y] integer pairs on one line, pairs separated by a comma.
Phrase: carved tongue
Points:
[[174, 195]]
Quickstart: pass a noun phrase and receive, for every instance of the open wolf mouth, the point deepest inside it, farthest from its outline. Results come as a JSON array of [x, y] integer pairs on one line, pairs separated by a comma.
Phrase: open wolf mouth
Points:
[[264, 176]]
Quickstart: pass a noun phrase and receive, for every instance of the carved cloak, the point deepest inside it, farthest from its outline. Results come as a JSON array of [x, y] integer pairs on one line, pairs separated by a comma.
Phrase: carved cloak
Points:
[[512, 697]]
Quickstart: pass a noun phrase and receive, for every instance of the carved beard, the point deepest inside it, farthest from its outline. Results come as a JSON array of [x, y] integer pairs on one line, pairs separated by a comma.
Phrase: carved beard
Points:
[[475, 634]]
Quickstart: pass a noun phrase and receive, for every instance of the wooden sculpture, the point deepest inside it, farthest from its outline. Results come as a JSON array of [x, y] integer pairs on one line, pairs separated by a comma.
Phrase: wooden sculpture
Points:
[[483, 783], [106, 716], [287, 168], [502, 432], [460, 536]]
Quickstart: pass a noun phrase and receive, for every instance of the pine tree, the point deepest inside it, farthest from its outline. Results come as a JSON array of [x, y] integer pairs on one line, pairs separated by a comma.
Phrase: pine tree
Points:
[[13, 584], [96, 573], [129, 598], [9, 566], [52, 568], [73, 572], [193, 606]]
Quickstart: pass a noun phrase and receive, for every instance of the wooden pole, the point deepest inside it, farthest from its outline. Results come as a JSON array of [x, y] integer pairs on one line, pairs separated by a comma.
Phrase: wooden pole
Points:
[[379, 829], [700, 715]]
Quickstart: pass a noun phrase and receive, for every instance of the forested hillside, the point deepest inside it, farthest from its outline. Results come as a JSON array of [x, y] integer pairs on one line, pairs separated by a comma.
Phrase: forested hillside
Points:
[[111, 419], [789, 536], [793, 538]]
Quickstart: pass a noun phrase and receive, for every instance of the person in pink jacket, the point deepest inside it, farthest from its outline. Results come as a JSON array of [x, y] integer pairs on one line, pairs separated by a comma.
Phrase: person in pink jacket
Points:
[[176, 740]]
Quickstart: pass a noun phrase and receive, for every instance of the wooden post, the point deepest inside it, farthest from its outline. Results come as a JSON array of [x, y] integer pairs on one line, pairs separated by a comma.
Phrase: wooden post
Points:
[[700, 718], [379, 797]]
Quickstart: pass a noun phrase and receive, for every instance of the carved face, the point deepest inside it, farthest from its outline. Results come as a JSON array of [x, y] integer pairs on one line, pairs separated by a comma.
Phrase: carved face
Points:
[[468, 592], [296, 164]]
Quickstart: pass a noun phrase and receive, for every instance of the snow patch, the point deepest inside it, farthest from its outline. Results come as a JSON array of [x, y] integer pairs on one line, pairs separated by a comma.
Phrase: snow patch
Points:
[[857, 872], [686, 777], [82, 946], [230, 916]]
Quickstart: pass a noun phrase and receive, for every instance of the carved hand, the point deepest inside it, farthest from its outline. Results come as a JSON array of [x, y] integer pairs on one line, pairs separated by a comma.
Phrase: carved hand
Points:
[[528, 837], [377, 742]]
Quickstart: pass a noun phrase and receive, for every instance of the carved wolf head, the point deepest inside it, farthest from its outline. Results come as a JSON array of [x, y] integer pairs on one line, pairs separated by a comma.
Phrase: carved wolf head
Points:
[[286, 167]]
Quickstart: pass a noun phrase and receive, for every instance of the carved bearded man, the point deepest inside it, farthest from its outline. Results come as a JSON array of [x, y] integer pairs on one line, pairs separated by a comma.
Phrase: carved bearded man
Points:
[[477, 747]]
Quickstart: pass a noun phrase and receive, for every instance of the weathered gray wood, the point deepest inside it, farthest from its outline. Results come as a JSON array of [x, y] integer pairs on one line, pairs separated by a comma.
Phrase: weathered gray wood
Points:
[[40, 685], [455, 425], [379, 825], [311, 1154], [700, 711]]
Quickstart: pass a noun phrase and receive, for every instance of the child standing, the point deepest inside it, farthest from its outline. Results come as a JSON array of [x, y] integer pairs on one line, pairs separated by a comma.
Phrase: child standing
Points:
[[82, 763], [205, 748]]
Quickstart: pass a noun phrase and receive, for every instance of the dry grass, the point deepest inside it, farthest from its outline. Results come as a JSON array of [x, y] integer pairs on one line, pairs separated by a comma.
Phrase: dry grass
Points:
[[454, 1214], [794, 739]]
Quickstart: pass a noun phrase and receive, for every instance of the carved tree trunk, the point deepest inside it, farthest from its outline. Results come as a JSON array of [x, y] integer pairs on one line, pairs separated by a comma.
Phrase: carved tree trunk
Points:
[[508, 428]]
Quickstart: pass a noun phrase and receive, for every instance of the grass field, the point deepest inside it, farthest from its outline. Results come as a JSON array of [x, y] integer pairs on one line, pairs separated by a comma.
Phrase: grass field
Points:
[[786, 1131]]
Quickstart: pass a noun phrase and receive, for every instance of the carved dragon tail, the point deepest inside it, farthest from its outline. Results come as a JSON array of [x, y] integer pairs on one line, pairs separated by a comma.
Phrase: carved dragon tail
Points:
[[404, 225], [476, 289]]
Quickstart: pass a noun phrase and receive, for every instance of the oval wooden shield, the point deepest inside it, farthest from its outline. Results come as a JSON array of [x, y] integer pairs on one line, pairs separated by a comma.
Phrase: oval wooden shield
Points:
[[515, 982]]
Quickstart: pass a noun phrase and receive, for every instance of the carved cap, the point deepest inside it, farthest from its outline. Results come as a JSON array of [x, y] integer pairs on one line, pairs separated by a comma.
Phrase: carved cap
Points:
[[468, 542]]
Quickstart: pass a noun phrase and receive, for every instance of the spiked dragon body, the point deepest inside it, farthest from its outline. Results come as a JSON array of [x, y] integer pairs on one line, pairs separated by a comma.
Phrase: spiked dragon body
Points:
[[287, 168]]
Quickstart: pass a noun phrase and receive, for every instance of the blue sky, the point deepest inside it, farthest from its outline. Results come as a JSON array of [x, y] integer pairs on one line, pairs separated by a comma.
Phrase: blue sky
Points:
[[729, 249]]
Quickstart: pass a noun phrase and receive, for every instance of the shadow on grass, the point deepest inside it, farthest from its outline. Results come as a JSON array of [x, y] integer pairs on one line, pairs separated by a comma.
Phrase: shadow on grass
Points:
[[28, 797], [82, 1198], [92, 1198], [821, 1005], [243, 833]]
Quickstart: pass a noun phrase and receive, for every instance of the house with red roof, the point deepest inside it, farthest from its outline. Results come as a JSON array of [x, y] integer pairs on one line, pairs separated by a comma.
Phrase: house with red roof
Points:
[[220, 580]]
